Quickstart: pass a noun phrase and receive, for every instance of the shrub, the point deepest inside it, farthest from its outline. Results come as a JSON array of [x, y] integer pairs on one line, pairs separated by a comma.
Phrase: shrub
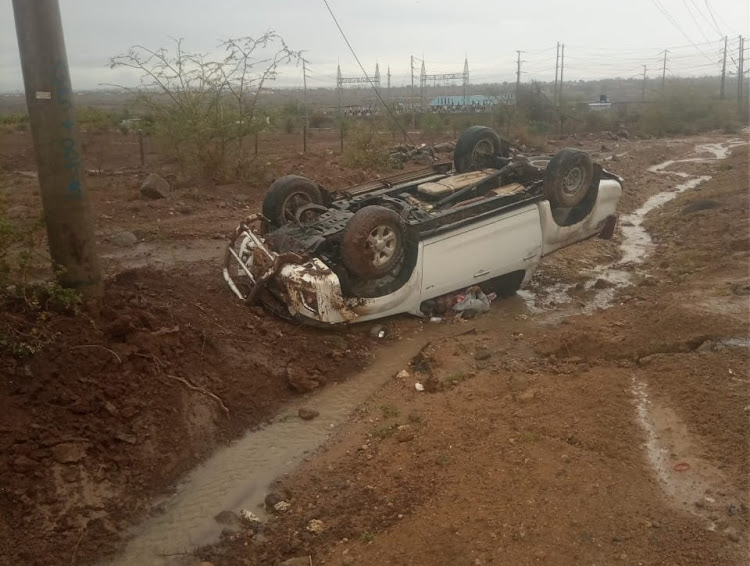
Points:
[[203, 109]]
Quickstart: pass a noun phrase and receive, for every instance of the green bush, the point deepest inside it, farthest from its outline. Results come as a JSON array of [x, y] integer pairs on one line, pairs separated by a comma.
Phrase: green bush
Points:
[[363, 148]]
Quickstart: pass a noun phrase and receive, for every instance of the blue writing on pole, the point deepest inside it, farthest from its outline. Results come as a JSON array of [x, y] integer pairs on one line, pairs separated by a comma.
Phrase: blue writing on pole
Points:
[[71, 155]]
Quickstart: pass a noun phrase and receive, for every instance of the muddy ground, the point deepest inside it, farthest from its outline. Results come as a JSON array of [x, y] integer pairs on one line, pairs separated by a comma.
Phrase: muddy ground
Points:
[[551, 430]]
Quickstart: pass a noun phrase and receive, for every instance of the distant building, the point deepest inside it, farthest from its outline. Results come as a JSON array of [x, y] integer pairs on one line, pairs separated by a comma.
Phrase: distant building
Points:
[[470, 101], [602, 104]]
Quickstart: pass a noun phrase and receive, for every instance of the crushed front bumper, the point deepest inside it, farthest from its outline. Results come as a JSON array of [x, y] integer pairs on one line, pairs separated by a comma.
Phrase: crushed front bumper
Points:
[[307, 287]]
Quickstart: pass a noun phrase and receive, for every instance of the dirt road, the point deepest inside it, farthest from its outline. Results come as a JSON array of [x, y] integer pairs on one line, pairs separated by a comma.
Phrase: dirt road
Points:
[[601, 417]]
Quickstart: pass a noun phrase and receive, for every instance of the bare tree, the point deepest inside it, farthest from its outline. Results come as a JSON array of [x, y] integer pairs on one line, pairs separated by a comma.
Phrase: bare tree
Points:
[[203, 108]]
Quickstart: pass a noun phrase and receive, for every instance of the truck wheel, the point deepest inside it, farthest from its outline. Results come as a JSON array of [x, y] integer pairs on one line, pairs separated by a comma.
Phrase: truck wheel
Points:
[[373, 242], [477, 148], [286, 195], [568, 178]]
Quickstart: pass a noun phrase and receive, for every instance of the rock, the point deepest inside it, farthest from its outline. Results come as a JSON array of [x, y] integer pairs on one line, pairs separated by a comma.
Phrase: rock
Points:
[[307, 414], [249, 517], [604, 147], [482, 354], [296, 561], [69, 452], [404, 435], [315, 526], [615, 157], [301, 381], [418, 386], [126, 438], [700, 205], [403, 374], [272, 499], [282, 506], [603, 284], [124, 239], [228, 518], [623, 133], [155, 187]]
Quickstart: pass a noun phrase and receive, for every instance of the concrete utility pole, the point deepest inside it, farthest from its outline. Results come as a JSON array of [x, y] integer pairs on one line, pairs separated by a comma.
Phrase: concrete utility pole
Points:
[[388, 87], [518, 77], [562, 70], [643, 88], [49, 98], [413, 111], [741, 71], [664, 69], [724, 68], [557, 69], [307, 116]]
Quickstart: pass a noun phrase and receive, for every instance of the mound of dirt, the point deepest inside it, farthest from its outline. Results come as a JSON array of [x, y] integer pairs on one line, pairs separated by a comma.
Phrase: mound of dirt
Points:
[[125, 397]]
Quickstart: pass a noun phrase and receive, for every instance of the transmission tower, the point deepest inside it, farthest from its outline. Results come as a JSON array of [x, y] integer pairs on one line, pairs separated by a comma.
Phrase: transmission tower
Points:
[[463, 77]]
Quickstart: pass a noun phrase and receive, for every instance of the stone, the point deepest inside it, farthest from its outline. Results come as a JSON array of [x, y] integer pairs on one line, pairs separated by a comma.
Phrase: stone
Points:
[[296, 561], [69, 452], [603, 284], [249, 517], [124, 239], [482, 354], [155, 187], [403, 374], [404, 435], [272, 499], [307, 414], [301, 381], [282, 506], [315, 526]]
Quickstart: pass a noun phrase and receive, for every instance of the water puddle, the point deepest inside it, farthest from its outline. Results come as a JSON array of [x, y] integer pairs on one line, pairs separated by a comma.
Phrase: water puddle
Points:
[[238, 476], [693, 483], [604, 280]]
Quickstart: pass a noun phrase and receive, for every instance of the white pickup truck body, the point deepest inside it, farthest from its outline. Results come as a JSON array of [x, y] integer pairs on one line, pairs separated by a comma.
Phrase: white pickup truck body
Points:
[[509, 241]]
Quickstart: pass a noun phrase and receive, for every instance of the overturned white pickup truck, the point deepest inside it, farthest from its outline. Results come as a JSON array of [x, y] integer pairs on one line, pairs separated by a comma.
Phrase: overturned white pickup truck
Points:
[[392, 245]]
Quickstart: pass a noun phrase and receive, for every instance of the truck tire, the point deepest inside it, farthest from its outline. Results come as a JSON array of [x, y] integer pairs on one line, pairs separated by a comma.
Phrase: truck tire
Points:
[[477, 148], [374, 242], [286, 195], [568, 178]]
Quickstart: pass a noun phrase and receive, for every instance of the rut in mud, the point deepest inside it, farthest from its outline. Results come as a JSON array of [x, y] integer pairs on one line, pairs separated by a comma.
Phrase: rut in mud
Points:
[[602, 435]]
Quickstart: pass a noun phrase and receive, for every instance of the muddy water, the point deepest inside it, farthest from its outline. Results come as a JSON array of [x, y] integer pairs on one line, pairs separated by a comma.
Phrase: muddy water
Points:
[[635, 247], [693, 483], [238, 477]]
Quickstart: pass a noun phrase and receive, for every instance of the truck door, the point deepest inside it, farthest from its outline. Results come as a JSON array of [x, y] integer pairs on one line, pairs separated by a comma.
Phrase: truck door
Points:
[[477, 252]]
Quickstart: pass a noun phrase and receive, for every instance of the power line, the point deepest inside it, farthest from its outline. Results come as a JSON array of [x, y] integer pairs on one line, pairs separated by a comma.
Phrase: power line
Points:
[[671, 20], [349, 45]]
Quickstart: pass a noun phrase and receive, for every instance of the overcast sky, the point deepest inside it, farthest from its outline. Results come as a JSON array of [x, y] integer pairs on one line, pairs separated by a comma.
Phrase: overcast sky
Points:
[[604, 38]]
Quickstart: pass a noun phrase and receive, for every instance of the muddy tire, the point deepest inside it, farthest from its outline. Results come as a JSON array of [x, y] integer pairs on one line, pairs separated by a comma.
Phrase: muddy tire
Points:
[[477, 148], [374, 242], [568, 178], [286, 195]]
